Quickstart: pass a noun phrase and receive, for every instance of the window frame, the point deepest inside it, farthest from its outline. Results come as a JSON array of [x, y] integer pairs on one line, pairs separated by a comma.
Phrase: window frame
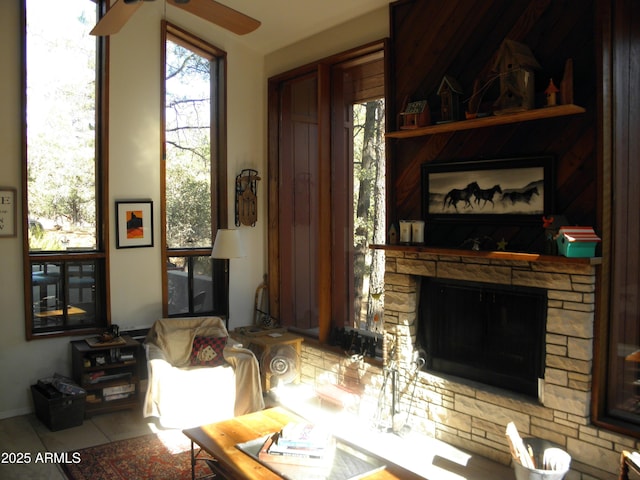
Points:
[[101, 254], [219, 215], [328, 294]]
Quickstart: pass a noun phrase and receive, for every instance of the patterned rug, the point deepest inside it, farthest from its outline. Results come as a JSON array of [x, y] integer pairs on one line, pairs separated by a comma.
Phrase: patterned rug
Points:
[[165, 456]]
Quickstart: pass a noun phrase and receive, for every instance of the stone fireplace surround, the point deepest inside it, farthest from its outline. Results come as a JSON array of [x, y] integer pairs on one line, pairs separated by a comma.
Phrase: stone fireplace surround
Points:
[[474, 416]]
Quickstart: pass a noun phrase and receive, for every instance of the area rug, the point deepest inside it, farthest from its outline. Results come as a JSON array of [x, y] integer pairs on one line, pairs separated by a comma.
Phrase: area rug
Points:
[[164, 456]]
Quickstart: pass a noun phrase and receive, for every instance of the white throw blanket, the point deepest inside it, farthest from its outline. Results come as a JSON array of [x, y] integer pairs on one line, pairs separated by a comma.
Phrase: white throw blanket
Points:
[[174, 337]]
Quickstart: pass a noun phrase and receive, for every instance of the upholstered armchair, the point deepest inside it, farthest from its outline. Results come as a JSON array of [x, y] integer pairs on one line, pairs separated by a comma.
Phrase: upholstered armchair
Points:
[[198, 374]]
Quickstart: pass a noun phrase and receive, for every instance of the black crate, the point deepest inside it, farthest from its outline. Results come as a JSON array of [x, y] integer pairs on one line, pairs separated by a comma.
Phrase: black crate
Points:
[[58, 411]]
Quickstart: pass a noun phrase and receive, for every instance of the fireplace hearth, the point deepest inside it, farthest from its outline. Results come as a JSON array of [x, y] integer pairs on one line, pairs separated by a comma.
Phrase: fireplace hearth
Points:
[[483, 332]]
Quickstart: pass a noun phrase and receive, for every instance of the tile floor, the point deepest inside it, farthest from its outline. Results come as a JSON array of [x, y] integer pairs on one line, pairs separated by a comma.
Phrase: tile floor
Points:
[[427, 457]]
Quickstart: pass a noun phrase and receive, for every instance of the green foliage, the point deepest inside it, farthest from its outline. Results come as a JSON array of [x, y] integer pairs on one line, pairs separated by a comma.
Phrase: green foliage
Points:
[[188, 209], [188, 157], [61, 117]]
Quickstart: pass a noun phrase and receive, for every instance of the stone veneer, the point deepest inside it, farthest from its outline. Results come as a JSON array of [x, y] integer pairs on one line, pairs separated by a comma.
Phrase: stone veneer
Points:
[[471, 415]]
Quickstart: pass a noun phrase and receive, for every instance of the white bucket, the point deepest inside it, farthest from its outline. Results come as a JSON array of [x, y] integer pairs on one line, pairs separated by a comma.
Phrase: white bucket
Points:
[[544, 452]]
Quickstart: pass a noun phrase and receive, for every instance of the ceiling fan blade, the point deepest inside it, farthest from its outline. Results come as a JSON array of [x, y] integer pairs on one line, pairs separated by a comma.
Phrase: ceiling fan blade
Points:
[[115, 18], [220, 14]]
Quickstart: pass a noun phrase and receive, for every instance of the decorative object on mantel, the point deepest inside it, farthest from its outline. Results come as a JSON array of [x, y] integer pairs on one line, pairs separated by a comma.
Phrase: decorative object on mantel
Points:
[[578, 242], [551, 225], [550, 93], [405, 231], [515, 64], [450, 93], [247, 197], [415, 115], [480, 243], [393, 234], [566, 85], [411, 232], [475, 100], [417, 232], [502, 245]]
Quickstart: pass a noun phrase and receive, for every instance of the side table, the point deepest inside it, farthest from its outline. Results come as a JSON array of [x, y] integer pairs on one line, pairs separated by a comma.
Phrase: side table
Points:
[[262, 345]]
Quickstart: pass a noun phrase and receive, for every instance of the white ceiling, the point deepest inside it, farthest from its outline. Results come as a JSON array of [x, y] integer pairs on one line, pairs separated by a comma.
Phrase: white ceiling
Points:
[[285, 22]]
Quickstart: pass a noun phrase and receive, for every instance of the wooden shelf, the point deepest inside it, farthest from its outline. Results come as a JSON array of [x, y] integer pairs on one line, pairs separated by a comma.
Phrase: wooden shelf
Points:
[[83, 357], [528, 115], [496, 255]]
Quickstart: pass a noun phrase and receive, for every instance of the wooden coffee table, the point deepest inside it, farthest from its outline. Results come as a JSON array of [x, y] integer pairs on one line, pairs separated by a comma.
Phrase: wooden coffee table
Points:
[[220, 439]]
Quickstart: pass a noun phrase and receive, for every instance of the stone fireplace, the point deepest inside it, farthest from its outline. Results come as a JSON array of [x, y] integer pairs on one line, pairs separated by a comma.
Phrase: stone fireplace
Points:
[[470, 414]]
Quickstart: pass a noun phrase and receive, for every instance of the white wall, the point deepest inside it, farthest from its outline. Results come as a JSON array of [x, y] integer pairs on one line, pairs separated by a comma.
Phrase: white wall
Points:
[[134, 148], [360, 31]]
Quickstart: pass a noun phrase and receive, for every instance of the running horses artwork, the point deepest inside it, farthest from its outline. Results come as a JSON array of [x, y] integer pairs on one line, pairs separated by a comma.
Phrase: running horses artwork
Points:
[[487, 195], [513, 187], [460, 195], [525, 196]]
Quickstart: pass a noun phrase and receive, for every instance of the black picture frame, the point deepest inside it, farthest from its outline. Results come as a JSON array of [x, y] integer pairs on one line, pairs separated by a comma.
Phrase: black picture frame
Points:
[[516, 190], [134, 223]]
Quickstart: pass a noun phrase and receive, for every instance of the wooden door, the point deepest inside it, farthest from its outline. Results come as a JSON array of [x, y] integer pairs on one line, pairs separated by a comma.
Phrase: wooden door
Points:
[[298, 197]]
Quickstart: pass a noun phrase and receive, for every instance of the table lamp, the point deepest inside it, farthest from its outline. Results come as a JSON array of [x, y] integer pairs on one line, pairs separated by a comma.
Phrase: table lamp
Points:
[[227, 245]]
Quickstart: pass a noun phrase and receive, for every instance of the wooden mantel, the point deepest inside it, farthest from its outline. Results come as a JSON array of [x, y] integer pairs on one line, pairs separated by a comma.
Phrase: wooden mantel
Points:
[[525, 116], [489, 254]]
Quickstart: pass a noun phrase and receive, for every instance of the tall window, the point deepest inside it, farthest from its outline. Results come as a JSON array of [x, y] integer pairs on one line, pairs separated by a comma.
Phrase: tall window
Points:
[[328, 125], [369, 226], [358, 193], [65, 256], [193, 173]]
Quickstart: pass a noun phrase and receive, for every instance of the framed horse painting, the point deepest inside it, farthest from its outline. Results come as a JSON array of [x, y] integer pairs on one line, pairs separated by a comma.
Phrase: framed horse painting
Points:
[[518, 189]]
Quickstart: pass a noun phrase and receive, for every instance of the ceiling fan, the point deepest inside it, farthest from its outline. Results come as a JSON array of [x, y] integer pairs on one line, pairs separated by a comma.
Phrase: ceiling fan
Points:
[[121, 11]]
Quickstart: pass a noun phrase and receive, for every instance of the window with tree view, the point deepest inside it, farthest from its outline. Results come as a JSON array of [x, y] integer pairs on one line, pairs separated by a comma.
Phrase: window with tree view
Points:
[[193, 158], [331, 198], [63, 239], [368, 213]]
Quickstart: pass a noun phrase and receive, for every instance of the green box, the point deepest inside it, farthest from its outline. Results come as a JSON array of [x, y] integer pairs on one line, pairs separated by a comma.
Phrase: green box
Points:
[[576, 249]]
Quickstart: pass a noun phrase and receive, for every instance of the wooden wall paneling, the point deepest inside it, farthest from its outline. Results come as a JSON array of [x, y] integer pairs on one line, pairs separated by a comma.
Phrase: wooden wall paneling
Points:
[[464, 48]]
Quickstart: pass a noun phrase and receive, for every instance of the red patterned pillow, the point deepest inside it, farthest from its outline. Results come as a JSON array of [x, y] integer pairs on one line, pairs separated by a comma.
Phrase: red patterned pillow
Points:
[[207, 351]]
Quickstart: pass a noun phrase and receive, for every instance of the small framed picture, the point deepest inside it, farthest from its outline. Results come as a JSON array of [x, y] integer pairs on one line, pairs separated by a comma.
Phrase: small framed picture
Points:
[[7, 212], [134, 224]]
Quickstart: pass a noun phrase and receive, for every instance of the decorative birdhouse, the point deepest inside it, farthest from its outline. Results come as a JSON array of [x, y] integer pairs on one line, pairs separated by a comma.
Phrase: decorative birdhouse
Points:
[[450, 93], [515, 64], [415, 115], [550, 93]]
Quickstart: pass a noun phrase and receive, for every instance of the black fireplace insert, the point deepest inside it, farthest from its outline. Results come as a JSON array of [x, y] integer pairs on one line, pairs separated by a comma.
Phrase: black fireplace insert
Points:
[[487, 333]]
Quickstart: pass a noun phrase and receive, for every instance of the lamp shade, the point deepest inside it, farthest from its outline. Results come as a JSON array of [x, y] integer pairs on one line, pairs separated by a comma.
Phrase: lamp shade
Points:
[[228, 244]]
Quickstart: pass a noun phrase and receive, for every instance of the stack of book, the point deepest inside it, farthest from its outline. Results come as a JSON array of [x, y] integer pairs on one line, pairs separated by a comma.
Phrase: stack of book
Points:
[[299, 444]]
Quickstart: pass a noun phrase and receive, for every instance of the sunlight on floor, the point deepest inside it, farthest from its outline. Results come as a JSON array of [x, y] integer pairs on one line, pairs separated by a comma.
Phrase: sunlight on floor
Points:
[[419, 453], [173, 439]]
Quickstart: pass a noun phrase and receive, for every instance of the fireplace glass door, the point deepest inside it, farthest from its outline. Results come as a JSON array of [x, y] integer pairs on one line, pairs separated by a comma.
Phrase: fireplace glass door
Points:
[[486, 333]]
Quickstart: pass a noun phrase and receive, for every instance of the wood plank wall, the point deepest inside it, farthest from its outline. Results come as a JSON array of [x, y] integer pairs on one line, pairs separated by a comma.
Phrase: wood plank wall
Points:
[[431, 38]]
